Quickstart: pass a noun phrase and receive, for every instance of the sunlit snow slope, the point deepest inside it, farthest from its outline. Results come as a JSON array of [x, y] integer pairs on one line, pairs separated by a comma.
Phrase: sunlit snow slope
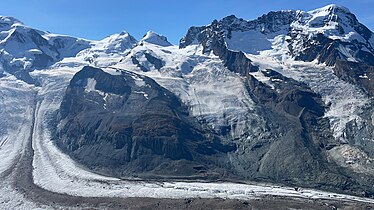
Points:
[[37, 68]]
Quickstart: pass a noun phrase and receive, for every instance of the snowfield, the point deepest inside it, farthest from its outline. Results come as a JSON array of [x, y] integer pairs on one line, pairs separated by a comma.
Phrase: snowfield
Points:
[[56, 172], [16, 102], [214, 94]]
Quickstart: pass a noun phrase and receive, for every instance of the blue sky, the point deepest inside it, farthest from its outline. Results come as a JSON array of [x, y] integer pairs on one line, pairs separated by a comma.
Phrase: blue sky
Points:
[[94, 19]]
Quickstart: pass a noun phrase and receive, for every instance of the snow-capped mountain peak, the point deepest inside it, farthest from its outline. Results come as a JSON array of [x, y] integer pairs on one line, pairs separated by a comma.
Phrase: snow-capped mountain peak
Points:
[[109, 50], [7, 22], [331, 8], [154, 38], [331, 35], [334, 21], [239, 100], [291, 29], [117, 43], [24, 49]]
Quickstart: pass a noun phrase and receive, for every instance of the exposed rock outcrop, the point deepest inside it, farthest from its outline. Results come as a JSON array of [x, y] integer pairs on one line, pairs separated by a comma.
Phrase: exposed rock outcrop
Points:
[[124, 124]]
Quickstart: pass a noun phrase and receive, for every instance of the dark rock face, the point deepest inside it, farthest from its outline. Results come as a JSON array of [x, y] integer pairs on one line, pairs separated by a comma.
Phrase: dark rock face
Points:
[[212, 39], [271, 22], [295, 151], [158, 63], [234, 61], [129, 124], [357, 73], [137, 63], [325, 50]]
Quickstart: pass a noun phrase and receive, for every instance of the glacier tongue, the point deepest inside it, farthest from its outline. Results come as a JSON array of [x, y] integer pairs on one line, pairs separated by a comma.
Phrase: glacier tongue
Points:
[[16, 99]]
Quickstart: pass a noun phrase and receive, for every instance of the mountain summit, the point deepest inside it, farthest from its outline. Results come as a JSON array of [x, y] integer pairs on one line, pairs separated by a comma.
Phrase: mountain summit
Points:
[[117, 43], [8, 22], [332, 21], [154, 38]]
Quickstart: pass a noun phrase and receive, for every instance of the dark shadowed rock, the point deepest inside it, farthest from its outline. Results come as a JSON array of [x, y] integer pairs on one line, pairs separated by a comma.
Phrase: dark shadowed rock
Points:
[[295, 151], [128, 125], [357, 73], [124, 124], [158, 63], [212, 39]]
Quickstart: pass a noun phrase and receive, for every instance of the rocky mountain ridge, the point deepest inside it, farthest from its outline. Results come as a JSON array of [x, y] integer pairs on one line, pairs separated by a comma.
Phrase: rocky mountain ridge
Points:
[[330, 35]]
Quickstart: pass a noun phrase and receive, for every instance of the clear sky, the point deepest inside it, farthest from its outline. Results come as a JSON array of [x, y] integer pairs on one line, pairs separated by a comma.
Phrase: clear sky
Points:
[[96, 19]]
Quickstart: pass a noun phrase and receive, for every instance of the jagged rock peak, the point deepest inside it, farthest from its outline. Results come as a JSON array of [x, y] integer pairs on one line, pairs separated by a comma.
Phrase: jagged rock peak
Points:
[[156, 39], [230, 20], [331, 20]]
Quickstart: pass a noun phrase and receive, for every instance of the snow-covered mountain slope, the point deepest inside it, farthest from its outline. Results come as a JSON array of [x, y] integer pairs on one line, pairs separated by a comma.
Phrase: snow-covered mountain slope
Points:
[[153, 38], [24, 49], [327, 49], [298, 27], [108, 51], [335, 22], [213, 93], [277, 39], [291, 91]]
